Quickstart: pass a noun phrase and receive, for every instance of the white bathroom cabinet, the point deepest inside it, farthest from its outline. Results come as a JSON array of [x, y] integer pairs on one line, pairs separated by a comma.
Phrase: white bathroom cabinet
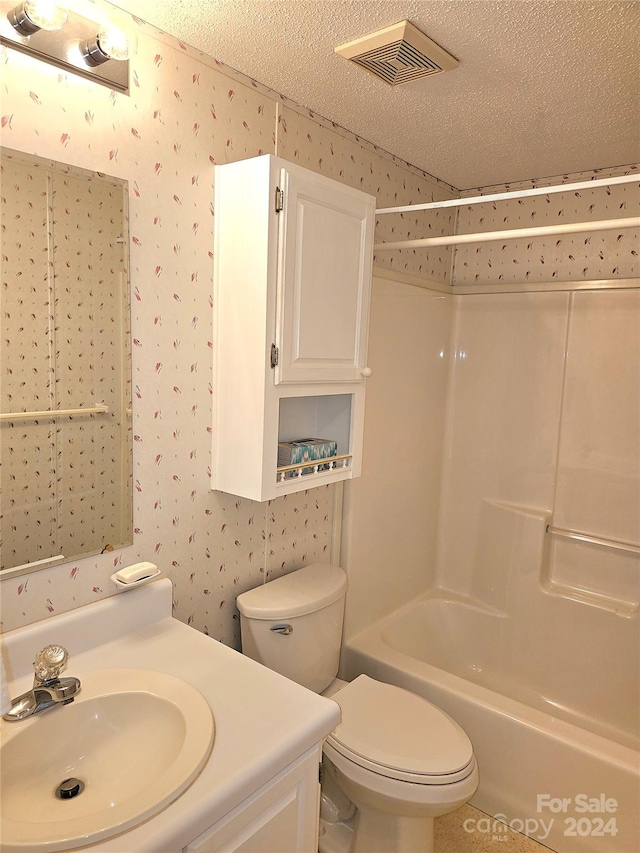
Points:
[[281, 816], [292, 283], [258, 791]]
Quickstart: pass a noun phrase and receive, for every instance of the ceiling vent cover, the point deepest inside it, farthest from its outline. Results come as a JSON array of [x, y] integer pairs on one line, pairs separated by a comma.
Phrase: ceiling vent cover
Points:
[[398, 54]]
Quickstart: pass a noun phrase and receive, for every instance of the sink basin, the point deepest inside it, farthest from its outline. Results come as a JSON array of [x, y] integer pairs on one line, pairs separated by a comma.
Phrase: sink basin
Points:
[[134, 739]]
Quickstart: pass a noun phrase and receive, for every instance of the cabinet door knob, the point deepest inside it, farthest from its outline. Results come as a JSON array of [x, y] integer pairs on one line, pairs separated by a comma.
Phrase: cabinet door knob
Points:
[[366, 372]]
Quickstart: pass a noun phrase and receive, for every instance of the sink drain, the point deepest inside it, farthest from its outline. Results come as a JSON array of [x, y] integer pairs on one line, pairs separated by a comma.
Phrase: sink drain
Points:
[[69, 788]]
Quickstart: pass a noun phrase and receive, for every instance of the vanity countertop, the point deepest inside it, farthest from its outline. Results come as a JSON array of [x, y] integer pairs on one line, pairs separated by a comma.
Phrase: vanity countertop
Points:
[[263, 721]]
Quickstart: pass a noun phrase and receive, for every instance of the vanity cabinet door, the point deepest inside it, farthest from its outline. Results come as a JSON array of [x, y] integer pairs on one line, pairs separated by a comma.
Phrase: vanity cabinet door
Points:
[[324, 279], [281, 817]]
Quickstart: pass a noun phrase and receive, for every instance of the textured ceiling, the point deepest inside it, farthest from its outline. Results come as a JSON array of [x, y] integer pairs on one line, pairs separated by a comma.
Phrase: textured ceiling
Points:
[[544, 87]]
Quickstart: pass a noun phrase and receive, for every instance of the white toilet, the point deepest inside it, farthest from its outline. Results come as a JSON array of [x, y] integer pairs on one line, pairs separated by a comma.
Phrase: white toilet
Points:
[[400, 760]]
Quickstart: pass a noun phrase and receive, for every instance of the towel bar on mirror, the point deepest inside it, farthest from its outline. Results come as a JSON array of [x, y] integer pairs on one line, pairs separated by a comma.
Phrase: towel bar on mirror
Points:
[[53, 413]]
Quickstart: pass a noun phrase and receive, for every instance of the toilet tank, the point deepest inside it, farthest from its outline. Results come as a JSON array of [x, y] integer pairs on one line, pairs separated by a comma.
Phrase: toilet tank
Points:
[[293, 624]]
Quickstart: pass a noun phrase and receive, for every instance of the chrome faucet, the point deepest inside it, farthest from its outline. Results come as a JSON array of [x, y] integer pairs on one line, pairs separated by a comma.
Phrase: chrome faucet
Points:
[[48, 689]]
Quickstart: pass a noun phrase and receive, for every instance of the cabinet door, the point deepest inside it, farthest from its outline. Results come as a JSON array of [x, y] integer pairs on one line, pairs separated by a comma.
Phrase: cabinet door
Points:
[[281, 818], [324, 279]]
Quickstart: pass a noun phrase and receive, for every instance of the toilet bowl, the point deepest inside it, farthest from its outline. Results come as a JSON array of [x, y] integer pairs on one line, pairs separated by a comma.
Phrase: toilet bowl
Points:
[[399, 759]]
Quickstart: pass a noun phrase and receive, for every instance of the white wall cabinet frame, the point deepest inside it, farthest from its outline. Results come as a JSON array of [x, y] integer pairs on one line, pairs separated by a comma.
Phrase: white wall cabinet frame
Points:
[[262, 307]]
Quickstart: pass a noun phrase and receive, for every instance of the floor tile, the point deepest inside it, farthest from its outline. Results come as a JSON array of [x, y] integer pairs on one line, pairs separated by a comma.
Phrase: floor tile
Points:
[[468, 830]]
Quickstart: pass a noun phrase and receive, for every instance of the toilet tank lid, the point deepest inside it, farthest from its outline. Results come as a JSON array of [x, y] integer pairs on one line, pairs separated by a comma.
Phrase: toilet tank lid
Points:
[[303, 591]]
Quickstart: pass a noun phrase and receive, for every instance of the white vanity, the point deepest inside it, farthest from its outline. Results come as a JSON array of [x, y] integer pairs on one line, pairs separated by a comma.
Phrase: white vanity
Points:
[[257, 792]]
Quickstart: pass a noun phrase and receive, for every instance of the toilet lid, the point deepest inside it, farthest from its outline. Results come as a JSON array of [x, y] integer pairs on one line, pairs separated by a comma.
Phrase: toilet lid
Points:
[[391, 727]]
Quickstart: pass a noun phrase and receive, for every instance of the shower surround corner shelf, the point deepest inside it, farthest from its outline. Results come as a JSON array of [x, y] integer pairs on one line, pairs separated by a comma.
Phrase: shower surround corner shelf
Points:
[[293, 254]]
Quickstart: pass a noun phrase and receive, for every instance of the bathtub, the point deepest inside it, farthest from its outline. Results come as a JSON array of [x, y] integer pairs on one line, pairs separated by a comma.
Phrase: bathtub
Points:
[[562, 767]]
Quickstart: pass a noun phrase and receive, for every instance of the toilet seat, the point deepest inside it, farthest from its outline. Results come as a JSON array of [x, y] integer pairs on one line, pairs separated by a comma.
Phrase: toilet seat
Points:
[[398, 734]]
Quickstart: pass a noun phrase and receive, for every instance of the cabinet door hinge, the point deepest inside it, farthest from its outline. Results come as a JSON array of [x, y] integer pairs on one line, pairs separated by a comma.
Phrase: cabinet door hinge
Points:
[[274, 355], [279, 200]]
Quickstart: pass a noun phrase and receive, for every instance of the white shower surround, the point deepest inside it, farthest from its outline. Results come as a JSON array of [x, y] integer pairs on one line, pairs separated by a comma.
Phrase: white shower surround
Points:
[[529, 640]]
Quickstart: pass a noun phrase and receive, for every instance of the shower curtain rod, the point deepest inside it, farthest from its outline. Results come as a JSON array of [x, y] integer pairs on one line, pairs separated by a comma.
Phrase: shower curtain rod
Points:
[[513, 234], [483, 199]]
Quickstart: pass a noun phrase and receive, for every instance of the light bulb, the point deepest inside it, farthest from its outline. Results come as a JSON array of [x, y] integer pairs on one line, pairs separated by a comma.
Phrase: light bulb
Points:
[[114, 43], [45, 14], [34, 15], [110, 43]]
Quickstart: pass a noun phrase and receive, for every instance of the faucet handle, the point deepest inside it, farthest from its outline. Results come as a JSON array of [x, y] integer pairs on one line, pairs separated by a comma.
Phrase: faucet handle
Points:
[[50, 662]]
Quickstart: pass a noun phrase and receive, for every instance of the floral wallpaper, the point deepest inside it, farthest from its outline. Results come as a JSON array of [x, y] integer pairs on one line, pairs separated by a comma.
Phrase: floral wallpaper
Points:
[[184, 114], [567, 257], [345, 158]]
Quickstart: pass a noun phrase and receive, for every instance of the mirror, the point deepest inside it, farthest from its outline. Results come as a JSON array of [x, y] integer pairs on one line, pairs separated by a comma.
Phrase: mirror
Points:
[[65, 356]]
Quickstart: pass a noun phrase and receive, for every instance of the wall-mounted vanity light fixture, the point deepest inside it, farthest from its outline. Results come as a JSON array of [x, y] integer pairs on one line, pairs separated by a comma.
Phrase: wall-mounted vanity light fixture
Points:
[[50, 32]]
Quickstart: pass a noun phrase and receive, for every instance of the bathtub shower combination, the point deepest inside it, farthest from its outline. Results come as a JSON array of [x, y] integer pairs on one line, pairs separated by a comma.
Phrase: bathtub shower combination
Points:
[[546, 686], [529, 633]]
